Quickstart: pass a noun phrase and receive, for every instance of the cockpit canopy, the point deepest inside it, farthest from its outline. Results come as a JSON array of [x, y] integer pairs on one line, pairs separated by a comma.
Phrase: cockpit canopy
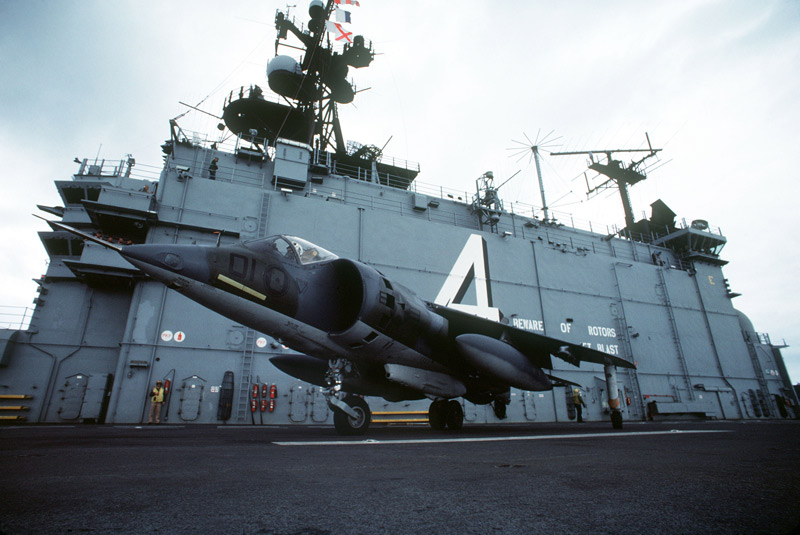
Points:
[[292, 248]]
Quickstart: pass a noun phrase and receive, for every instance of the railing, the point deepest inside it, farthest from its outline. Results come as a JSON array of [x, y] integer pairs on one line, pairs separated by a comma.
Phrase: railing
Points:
[[126, 168], [236, 174], [518, 211], [15, 317], [398, 162], [229, 144], [763, 339]]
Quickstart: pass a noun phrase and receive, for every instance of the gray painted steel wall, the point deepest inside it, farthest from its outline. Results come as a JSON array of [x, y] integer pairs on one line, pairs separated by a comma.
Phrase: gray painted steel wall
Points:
[[678, 325]]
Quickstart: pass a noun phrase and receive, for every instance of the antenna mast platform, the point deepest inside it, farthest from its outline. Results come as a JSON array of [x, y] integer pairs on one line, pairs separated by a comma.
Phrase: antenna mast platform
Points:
[[618, 174]]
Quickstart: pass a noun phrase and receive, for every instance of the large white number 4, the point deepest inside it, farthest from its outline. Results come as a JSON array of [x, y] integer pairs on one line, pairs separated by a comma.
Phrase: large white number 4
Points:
[[471, 266]]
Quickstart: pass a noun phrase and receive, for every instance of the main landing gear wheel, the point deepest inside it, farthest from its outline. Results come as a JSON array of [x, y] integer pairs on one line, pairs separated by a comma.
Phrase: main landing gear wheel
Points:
[[455, 415], [347, 425], [446, 415], [436, 415]]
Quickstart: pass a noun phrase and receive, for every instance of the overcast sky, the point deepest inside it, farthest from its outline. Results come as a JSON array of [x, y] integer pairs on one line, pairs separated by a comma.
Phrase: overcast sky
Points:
[[716, 84]]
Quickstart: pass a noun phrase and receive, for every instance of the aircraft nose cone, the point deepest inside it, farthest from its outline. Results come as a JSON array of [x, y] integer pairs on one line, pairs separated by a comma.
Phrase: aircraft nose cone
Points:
[[165, 261]]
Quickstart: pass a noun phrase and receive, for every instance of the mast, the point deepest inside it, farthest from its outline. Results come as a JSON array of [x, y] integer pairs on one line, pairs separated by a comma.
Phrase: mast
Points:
[[312, 88], [319, 82], [618, 174], [534, 147], [535, 150]]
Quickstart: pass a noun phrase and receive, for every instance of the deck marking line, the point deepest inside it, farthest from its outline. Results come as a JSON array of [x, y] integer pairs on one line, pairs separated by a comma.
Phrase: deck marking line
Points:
[[369, 442]]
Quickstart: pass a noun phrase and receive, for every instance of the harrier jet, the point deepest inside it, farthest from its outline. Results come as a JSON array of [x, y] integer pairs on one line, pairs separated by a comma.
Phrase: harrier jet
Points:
[[359, 333]]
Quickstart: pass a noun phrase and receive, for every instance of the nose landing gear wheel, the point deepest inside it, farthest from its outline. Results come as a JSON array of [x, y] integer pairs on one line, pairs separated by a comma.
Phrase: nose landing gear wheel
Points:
[[347, 425]]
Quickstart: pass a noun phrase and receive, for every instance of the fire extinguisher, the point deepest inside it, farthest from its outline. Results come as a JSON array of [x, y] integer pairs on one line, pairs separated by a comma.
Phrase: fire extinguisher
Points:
[[264, 389], [167, 384], [263, 404], [271, 405], [255, 391], [253, 405], [273, 391]]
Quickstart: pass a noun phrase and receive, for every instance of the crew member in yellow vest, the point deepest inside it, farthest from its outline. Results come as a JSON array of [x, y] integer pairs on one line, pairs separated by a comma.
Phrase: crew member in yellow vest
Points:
[[577, 400], [156, 401]]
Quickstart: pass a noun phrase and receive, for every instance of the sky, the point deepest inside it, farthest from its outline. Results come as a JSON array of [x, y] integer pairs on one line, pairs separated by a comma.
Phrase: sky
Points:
[[459, 88]]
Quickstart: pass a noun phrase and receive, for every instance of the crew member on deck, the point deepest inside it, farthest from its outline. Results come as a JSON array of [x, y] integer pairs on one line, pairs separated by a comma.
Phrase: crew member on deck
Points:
[[577, 400], [156, 401], [212, 169]]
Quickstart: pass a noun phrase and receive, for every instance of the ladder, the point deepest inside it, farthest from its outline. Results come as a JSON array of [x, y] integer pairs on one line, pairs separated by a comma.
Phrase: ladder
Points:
[[263, 215], [759, 372], [245, 377], [674, 328], [623, 336]]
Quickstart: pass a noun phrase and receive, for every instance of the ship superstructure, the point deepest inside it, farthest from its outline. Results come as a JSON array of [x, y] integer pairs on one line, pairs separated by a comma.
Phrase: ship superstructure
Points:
[[102, 333]]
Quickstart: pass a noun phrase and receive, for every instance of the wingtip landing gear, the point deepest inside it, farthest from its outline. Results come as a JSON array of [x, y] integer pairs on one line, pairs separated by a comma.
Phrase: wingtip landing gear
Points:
[[446, 415], [616, 419], [613, 396], [499, 408]]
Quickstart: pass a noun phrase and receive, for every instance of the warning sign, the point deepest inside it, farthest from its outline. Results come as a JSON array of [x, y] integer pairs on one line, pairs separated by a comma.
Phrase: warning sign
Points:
[[166, 336], [180, 336], [261, 341]]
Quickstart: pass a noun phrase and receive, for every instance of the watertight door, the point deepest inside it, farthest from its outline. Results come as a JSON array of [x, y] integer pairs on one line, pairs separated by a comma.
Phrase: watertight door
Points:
[[319, 406], [96, 397], [191, 397], [72, 398], [298, 403]]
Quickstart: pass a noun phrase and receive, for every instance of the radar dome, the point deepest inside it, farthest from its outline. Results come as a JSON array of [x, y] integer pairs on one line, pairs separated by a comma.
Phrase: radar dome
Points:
[[286, 78], [744, 322], [283, 63], [316, 9]]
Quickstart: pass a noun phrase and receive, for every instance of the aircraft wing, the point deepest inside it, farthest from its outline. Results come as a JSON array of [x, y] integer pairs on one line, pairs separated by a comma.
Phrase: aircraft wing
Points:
[[536, 347]]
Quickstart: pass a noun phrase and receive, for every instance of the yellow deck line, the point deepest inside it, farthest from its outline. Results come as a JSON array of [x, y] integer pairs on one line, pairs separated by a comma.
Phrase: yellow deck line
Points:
[[393, 413], [403, 421]]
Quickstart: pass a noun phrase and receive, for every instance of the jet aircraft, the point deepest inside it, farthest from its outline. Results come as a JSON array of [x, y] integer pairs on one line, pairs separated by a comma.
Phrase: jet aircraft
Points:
[[359, 333]]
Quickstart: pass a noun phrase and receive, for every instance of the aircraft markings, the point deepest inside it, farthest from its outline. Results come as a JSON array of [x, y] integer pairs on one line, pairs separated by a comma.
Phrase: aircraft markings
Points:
[[240, 286]]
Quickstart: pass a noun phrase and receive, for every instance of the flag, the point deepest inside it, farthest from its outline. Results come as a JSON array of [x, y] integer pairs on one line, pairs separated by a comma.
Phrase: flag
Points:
[[343, 16], [346, 2], [337, 29]]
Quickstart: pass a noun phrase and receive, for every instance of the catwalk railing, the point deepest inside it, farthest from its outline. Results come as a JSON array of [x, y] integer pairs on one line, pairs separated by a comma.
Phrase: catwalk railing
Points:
[[15, 317]]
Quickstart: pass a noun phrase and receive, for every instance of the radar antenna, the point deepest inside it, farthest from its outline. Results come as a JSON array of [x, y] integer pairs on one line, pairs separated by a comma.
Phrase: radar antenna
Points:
[[312, 87], [319, 82], [532, 148], [486, 202], [618, 174]]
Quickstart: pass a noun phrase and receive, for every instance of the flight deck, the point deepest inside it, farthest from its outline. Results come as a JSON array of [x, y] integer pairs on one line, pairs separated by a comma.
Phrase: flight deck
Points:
[[662, 477]]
